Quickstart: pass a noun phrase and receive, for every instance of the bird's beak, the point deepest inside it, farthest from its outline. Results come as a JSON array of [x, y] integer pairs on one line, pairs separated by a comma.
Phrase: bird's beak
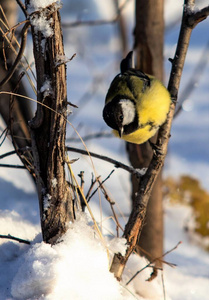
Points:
[[120, 131]]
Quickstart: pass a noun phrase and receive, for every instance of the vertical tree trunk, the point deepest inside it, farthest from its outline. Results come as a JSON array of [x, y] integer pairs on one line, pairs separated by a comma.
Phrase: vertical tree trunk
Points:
[[149, 33], [48, 128], [16, 118]]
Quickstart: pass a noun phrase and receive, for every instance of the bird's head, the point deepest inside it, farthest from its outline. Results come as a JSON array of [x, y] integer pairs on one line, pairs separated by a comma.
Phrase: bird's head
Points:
[[119, 115]]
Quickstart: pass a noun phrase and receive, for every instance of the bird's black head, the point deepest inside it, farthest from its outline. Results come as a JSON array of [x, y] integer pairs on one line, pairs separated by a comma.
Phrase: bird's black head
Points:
[[113, 116], [120, 114]]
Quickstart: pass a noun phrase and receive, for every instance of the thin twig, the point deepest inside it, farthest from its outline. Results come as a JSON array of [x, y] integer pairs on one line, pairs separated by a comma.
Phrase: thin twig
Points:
[[12, 29], [22, 6], [151, 262], [108, 159], [100, 183], [84, 152], [14, 152], [10, 237], [14, 50], [19, 56], [12, 166], [112, 203], [91, 136], [198, 16], [4, 135], [81, 175], [91, 187]]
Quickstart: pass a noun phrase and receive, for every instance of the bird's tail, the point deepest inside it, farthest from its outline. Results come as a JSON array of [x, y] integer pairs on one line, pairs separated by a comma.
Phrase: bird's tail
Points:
[[127, 63]]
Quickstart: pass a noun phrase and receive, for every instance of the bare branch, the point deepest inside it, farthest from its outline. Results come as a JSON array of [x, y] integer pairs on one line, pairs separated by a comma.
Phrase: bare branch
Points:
[[136, 220], [19, 56], [198, 16], [81, 175], [151, 263], [10, 237], [84, 152], [112, 203], [100, 184], [22, 6], [3, 136], [21, 150], [91, 136], [105, 158], [12, 166]]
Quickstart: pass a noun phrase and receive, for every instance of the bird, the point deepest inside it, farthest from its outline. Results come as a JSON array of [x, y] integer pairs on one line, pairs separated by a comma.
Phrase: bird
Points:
[[136, 104]]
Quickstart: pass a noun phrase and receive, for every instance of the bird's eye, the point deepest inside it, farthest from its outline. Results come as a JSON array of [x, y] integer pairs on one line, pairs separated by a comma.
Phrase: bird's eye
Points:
[[121, 118]]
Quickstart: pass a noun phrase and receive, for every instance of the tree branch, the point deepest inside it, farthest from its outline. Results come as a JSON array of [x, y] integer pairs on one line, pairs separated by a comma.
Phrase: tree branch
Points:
[[22, 6], [136, 220], [198, 16], [12, 166], [19, 56], [21, 150], [48, 127], [151, 262], [108, 159], [10, 237]]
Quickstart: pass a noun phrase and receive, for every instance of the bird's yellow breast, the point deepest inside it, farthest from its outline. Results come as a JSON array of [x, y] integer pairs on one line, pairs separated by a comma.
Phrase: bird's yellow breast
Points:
[[139, 136], [153, 105]]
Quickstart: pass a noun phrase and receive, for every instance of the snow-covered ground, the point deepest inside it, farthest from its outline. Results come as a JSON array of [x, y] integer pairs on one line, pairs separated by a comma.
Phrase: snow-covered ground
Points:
[[77, 268]]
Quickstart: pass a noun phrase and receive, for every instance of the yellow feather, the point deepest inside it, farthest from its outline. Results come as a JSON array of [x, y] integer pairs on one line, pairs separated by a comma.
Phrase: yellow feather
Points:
[[139, 136], [152, 105]]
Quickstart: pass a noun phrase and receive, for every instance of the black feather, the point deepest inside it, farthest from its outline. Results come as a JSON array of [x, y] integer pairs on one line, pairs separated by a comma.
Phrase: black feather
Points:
[[126, 63], [127, 68]]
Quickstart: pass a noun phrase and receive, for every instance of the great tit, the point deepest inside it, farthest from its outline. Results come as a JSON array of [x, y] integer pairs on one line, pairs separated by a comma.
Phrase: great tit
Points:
[[136, 104]]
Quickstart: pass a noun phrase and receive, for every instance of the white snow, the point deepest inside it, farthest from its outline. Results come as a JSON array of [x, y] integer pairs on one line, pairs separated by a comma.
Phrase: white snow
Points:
[[41, 23], [77, 267], [36, 5], [46, 88], [38, 18], [117, 245], [54, 182], [47, 199]]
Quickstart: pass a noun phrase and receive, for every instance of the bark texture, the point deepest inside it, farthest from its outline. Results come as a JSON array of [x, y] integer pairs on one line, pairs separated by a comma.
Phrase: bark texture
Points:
[[133, 227], [48, 127], [149, 38], [15, 111]]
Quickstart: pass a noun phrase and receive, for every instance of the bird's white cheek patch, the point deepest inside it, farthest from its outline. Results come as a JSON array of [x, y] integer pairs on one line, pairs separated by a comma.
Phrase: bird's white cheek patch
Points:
[[128, 110]]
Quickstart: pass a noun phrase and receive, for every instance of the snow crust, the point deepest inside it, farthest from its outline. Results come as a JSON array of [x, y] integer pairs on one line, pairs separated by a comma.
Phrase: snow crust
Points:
[[75, 268], [36, 5], [78, 267], [41, 23]]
